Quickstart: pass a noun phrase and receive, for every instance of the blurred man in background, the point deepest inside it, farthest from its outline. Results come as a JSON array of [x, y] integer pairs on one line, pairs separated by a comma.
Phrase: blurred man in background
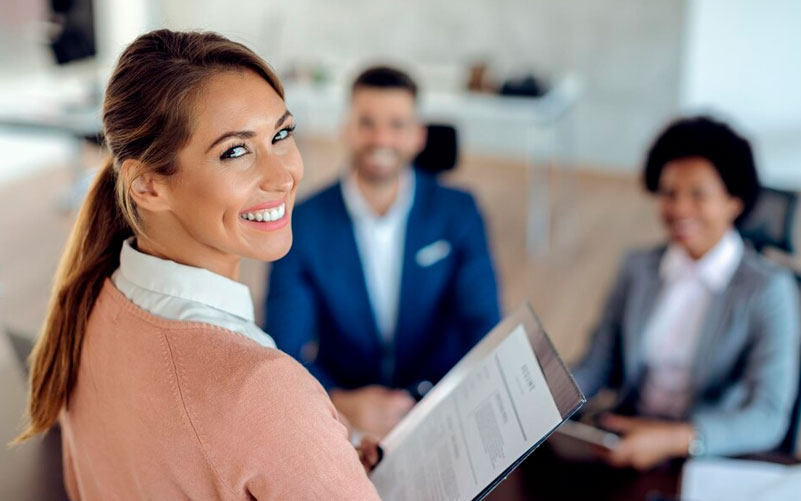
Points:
[[390, 281]]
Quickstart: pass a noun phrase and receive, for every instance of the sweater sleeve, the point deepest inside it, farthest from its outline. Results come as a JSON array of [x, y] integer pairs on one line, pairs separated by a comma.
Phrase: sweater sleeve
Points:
[[304, 445], [277, 436]]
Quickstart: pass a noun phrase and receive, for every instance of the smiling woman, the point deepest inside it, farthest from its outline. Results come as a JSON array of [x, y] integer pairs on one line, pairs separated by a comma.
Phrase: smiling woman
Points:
[[149, 357], [700, 335], [241, 159]]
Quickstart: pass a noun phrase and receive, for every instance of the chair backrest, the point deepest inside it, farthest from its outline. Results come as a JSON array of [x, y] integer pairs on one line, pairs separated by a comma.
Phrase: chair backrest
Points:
[[771, 222], [441, 151]]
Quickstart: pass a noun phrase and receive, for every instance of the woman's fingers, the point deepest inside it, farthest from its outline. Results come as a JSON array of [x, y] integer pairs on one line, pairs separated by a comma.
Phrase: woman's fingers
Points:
[[370, 453]]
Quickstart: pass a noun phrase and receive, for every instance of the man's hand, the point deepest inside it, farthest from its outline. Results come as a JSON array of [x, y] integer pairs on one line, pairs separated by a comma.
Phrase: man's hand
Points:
[[373, 409], [645, 442]]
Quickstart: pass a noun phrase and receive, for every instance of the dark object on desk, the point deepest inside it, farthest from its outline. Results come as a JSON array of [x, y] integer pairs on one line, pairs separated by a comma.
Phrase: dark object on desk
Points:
[[441, 151], [770, 223], [527, 86]]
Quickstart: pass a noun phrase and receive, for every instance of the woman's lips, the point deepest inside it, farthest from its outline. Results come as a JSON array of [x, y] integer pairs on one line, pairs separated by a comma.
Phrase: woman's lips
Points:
[[266, 215], [266, 205], [684, 228]]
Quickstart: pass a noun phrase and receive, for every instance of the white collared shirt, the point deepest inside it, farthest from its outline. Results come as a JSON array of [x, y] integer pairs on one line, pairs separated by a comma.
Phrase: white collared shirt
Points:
[[676, 323], [179, 292], [380, 241]]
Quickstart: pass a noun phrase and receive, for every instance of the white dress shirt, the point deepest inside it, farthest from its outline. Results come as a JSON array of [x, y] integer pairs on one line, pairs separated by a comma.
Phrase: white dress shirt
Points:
[[179, 292], [677, 321], [380, 241]]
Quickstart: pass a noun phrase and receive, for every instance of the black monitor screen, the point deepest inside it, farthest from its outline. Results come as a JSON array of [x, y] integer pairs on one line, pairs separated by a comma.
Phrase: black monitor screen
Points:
[[73, 37]]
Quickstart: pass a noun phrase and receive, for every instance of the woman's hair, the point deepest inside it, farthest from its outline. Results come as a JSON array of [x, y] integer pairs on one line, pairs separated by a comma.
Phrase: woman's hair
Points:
[[147, 115], [714, 141]]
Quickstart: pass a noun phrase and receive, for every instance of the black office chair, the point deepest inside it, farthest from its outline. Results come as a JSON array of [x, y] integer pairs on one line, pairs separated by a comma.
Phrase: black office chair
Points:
[[441, 152], [770, 224]]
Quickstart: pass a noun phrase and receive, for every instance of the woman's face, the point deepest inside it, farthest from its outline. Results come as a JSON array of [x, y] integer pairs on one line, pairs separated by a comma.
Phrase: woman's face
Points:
[[235, 186], [695, 206]]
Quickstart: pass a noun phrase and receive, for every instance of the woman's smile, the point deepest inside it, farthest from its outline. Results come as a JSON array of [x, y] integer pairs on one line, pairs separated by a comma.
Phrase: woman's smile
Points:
[[267, 216]]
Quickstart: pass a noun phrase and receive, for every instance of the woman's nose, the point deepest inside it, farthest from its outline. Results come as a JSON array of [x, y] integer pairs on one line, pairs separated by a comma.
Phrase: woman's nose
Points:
[[276, 176], [682, 206]]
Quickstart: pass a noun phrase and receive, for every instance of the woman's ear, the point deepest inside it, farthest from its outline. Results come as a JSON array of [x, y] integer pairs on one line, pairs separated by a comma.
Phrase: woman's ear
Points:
[[148, 190], [736, 207]]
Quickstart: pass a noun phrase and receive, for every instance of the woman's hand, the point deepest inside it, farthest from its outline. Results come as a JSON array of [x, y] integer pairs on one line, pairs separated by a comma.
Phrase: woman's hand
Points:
[[645, 442], [370, 453]]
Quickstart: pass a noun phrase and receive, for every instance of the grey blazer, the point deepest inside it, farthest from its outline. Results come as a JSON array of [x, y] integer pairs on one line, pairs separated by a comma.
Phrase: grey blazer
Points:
[[746, 368]]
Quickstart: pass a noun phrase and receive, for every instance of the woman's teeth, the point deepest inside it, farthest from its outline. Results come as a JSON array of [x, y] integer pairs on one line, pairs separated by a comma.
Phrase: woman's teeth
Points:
[[266, 215]]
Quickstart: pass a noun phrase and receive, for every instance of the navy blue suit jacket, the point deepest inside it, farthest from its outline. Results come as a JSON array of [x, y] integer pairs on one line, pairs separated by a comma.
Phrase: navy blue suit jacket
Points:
[[318, 309]]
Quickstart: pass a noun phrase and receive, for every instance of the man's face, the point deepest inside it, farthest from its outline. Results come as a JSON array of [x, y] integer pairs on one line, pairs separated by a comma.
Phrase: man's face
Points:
[[382, 132]]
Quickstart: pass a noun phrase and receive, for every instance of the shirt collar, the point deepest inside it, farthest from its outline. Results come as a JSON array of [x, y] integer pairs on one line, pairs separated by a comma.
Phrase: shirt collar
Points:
[[715, 269], [186, 282], [359, 209]]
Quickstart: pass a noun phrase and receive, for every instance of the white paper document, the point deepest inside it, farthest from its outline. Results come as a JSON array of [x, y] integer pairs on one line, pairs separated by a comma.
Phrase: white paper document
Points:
[[721, 479], [472, 427]]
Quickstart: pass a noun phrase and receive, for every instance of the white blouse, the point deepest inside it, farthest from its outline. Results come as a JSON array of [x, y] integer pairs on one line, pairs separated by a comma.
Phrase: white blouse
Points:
[[677, 320], [180, 292]]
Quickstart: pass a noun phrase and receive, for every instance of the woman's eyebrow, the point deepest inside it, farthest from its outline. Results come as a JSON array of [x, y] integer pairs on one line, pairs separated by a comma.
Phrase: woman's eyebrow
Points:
[[247, 134], [242, 134], [283, 119]]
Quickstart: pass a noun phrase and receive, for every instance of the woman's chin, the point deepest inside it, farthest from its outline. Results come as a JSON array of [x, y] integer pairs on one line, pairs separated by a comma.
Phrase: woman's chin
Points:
[[273, 250], [684, 240]]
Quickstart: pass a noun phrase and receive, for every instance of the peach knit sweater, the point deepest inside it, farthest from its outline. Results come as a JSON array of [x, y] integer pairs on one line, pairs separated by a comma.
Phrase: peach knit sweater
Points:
[[164, 409]]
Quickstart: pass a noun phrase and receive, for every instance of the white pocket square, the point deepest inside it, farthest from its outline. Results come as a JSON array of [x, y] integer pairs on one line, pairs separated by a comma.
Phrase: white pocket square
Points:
[[432, 253]]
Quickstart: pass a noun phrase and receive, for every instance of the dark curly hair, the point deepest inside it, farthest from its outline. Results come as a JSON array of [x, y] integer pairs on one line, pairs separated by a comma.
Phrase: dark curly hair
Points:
[[714, 141]]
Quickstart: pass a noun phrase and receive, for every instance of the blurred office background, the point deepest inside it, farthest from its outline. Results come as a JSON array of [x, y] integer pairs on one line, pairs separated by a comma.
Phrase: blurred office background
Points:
[[554, 104]]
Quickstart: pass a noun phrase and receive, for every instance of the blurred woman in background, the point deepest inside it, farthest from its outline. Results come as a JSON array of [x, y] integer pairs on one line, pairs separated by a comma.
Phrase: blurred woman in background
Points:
[[149, 357], [700, 337]]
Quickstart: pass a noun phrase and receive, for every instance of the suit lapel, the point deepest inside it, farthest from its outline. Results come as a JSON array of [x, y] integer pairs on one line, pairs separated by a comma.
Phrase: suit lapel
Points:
[[719, 310], [643, 302]]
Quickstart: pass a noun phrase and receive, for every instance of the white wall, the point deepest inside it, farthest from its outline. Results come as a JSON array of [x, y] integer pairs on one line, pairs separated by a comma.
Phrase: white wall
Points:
[[742, 60], [626, 51], [641, 61]]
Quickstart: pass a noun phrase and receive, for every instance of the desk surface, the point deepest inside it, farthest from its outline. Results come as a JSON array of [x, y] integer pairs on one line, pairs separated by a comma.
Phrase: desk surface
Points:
[[544, 476]]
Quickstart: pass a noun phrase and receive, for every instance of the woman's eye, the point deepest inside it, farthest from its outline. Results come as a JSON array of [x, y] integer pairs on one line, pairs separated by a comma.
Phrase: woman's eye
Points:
[[234, 152], [283, 134]]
